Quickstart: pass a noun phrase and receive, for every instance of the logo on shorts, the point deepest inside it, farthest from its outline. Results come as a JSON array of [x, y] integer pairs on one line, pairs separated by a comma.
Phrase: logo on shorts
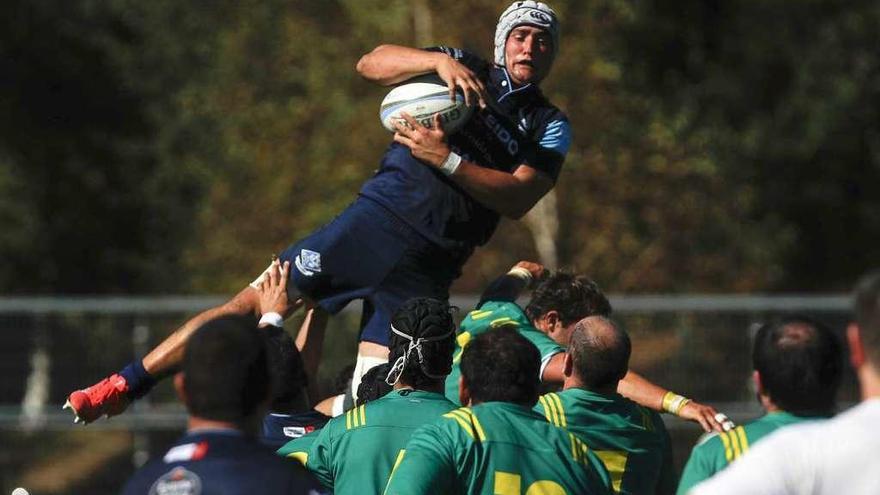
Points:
[[308, 262], [177, 482]]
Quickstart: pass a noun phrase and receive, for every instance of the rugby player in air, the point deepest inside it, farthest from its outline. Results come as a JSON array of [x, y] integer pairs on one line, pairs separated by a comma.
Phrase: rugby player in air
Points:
[[434, 199]]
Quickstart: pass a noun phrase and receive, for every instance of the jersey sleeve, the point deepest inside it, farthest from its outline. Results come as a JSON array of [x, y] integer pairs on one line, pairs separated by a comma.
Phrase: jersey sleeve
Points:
[[468, 59], [314, 451], [546, 346], [493, 314], [427, 464], [552, 148]]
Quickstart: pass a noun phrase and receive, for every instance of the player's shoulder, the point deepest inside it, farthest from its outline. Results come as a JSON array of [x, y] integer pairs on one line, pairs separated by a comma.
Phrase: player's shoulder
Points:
[[462, 424], [493, 314], [494, 309], [722, 448], [707, 442], [466, 57]]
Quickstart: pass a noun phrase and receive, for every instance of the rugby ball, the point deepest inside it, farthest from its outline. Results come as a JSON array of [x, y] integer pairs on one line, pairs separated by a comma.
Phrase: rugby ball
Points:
[[423, 97]]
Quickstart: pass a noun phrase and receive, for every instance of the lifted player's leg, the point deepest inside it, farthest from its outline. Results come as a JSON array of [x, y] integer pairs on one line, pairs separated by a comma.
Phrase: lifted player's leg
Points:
[[112, 395]]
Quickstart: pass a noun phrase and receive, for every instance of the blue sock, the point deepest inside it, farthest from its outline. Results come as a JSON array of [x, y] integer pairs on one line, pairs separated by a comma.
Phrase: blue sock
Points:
[[139, 381]]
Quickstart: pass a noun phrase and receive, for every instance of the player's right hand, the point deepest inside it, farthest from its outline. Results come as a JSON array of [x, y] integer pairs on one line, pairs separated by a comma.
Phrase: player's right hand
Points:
[[457, 75], [273, 290], [706, 416], [536, 269]]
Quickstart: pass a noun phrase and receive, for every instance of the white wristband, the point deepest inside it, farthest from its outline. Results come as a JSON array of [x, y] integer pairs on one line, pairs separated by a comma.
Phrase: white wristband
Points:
[[521, 273], [271, 318], [451, 163]]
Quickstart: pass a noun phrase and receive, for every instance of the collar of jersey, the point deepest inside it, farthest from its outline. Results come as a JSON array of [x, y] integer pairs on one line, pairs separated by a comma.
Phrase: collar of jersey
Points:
[[582, 392], [506, 89], [414, 391]]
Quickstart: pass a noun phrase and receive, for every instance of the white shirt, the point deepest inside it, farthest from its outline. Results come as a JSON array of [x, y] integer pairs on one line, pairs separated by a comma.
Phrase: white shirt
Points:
[[838, 456]]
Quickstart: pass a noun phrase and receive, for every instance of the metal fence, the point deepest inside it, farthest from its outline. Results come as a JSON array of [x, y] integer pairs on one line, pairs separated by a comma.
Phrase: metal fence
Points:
[[697, 345]]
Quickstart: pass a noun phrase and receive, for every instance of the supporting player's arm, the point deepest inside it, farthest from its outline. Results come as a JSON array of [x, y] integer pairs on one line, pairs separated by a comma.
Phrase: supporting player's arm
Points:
[[508, 287], [510, 194], [645, 393], [637, 388], [391, 64]]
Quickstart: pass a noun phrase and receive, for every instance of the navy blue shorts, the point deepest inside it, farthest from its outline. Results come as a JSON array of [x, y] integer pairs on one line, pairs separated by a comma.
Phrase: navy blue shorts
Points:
[[368, 253]]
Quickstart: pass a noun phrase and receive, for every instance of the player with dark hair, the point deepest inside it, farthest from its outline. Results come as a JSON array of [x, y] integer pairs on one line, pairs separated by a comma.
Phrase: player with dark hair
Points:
[[631, 440], [559, 301], [835, 456], [374, 384], [798, 365], [225, 384], [289, 413], [356, 452], [582, 295], [435, 198], [498, 444]]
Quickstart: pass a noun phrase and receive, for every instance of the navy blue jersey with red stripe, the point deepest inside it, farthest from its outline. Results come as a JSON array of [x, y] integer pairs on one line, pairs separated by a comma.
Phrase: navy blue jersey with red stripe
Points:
[[519, 126], [278, 429], [221, 462]]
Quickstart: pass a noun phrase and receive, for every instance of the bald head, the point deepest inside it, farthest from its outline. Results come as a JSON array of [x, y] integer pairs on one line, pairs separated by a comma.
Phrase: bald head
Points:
[[599, 351]]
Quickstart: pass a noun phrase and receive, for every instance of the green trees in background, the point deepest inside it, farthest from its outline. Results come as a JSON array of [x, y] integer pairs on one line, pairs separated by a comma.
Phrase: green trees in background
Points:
[[174, 145]]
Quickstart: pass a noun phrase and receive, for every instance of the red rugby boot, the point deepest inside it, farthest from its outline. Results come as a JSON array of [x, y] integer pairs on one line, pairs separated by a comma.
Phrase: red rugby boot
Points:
[[109, 396]]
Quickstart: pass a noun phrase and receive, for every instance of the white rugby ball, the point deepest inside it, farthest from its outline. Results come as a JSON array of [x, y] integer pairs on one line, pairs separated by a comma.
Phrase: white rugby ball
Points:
[[422, 97]]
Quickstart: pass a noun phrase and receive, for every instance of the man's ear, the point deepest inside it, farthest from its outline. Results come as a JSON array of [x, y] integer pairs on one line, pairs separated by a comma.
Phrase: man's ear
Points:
[[464, 395], [856, 348], [567, 365], [759, 385], [552, 320], [180, 386]]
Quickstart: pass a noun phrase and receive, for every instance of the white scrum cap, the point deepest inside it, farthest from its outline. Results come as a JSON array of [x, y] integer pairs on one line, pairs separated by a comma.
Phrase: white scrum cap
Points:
[[530, 13]]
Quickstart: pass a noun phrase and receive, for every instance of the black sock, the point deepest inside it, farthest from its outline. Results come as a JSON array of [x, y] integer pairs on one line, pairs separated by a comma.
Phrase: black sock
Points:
[[139, 381]]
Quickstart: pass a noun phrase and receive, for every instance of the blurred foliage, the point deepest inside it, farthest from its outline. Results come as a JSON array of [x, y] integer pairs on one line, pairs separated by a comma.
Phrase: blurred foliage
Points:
[[174, 145]]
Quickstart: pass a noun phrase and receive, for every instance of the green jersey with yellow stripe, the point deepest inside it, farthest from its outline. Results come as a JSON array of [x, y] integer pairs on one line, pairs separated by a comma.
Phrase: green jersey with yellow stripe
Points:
[[631, 440], [354, 453], [716, 450], [497, 448], [493, 314]]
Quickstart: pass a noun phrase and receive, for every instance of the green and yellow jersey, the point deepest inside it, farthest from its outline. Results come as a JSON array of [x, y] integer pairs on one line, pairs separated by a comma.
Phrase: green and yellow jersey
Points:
[[631, 440], [494, 314], [716, 450], [497, 448], [355, 452]]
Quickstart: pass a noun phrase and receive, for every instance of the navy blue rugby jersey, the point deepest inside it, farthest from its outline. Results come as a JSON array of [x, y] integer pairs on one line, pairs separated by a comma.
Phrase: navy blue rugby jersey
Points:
[[519, 126], [221, 462], [278, 429]]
